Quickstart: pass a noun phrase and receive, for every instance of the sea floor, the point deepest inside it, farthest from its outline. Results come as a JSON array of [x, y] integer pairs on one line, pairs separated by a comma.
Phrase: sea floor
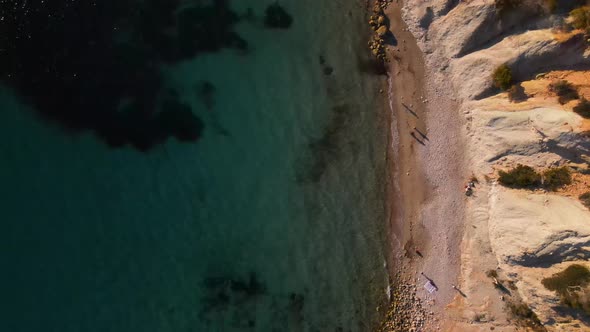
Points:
[[272, 221]]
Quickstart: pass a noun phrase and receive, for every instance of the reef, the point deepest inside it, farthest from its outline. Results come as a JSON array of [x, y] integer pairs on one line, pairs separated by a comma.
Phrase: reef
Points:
[[277, 17], [96, 66]]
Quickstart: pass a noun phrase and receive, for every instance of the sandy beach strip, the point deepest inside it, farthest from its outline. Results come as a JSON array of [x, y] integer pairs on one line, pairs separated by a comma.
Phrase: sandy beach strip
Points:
[[428, 201]]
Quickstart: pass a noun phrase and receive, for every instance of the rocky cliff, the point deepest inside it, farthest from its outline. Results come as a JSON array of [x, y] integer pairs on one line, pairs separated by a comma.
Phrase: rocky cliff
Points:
[[523, 235]]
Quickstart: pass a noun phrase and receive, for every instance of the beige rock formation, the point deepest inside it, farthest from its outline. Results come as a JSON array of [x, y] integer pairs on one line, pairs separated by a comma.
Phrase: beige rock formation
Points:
[[524, 235], [533, 235]]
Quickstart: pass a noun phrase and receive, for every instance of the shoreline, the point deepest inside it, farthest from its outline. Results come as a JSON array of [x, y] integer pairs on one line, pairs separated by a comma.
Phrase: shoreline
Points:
[[427, 203], [481, 251]]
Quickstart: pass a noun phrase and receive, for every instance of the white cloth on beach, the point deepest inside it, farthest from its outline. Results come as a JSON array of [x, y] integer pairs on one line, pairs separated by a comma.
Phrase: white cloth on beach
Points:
[[429, 287]]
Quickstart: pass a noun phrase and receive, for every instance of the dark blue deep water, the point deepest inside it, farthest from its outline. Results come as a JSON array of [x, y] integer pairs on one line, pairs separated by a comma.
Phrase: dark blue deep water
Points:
[[198, 165]]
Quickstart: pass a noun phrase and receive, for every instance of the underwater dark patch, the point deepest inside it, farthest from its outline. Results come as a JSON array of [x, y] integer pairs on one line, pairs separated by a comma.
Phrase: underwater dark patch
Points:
[[326, 148], [326, 69], [296, 304], [205, 92], [372, 66], [222, 294], [237, 300], [95, 66], [277, 17]]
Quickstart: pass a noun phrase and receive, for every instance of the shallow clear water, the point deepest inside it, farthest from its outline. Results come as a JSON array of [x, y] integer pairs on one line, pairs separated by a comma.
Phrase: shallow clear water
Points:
[[272, 221]]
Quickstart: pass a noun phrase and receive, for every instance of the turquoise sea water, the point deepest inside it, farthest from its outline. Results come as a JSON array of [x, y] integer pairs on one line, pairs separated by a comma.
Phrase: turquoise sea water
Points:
[[273, 221]]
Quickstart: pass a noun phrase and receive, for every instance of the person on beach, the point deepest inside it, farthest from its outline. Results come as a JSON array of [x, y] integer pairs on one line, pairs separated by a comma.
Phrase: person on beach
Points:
[[418, 252], [469, 188]]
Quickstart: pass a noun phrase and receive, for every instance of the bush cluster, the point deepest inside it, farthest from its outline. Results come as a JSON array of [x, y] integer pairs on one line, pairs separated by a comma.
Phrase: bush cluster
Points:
[[520, 177], [585, 198], [583, 108], [554, 178], [570, 284], [581, 18], [526, 177], [564, 90], [573, 275], [502, 77]]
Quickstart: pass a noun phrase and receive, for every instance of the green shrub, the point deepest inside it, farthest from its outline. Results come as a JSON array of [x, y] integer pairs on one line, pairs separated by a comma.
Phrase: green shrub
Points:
[[520, 177], [581, 18], [585, 198], [583, 108], [502, 77], [557, 177], [564, 90]]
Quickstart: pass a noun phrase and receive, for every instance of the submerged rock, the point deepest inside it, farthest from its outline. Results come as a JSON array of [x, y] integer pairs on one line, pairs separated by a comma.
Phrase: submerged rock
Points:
[[276, 17], [118, 98]]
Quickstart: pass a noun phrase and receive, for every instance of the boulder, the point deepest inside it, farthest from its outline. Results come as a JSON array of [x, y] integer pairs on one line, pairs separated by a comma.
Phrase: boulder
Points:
[[382, 31]]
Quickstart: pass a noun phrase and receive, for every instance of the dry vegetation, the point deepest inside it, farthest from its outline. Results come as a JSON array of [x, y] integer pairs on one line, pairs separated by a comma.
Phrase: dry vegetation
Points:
[[570, 284], [564, 90], [523, 176], [580, 18]]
